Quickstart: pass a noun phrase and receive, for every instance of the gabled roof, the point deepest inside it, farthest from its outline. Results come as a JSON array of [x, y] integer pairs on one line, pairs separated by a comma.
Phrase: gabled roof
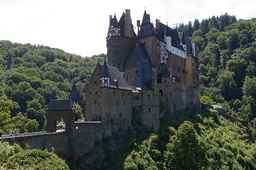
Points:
[[116, 75], [60, 105], [173, 33], [111, 72]]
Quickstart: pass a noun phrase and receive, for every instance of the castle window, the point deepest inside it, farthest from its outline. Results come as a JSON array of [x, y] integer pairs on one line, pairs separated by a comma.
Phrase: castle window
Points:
[[96, 92], [161, 92], [95, 102], [149, 109], [159, 78]]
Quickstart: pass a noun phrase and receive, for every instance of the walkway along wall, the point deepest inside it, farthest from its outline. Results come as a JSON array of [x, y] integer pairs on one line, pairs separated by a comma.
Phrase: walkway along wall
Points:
[[81, 143]]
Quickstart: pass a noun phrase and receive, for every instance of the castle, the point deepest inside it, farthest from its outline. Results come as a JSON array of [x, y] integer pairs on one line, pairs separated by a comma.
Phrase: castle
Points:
[[146, 76]]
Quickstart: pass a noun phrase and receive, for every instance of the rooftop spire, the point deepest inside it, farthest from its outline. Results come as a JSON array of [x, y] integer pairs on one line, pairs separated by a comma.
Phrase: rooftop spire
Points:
[[146, 18]]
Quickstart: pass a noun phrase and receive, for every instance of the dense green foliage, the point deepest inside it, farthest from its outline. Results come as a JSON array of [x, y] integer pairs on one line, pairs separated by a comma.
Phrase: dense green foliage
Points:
[[32, 75], [14, 124], [210, 142], [214, 139], [14, 157]]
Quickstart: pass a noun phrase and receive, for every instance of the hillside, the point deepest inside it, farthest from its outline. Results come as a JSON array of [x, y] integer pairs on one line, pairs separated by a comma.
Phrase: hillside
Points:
[[29, 77], [212, 139], [32, 75]]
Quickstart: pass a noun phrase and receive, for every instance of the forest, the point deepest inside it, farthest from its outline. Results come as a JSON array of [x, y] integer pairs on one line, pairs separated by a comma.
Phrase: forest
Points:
[[213, 138], [31, 75]]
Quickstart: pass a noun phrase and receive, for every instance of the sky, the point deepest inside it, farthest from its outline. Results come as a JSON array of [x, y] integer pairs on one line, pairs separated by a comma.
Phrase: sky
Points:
[[80, 26]]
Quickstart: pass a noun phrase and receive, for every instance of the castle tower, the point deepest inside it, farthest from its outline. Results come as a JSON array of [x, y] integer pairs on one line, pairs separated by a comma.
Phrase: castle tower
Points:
[[120, 40], [148, 37], [191, 65]]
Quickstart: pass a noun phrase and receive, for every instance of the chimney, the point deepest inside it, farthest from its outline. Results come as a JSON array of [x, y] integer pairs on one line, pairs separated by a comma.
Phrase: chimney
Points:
[[128, 28], [110, 19], [157, 23], [128, 12], [138, 26]]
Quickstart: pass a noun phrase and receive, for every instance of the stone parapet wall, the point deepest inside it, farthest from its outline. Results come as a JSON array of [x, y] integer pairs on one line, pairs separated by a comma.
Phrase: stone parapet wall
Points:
[[57, 142]]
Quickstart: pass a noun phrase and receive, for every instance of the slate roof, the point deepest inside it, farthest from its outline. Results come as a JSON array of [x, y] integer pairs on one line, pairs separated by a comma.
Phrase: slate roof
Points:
[[74, 94], [146, 28], [114, 74], [146, 18], [114, 22], [173, 33], [140, 60], [146, 31], [122, 24], [104, 72], [60, 105], [139, 53]]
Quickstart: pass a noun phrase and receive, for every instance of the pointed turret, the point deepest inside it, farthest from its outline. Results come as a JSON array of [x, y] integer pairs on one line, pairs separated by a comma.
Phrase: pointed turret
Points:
[[122, 41], [146, 28], [146, 18], [126, 25], [114, 28]]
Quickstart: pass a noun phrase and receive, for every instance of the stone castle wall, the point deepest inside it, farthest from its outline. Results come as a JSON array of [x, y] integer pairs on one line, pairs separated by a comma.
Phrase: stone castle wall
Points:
[[85, 139], [112, 112], [152, 46], [118, 49], [57, 142]]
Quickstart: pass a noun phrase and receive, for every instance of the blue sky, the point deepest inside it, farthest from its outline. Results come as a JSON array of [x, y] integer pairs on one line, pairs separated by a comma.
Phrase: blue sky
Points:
[[80, 26]]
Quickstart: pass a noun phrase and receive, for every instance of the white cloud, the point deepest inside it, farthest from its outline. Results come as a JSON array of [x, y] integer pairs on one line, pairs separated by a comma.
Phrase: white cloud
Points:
[[80, 26]]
